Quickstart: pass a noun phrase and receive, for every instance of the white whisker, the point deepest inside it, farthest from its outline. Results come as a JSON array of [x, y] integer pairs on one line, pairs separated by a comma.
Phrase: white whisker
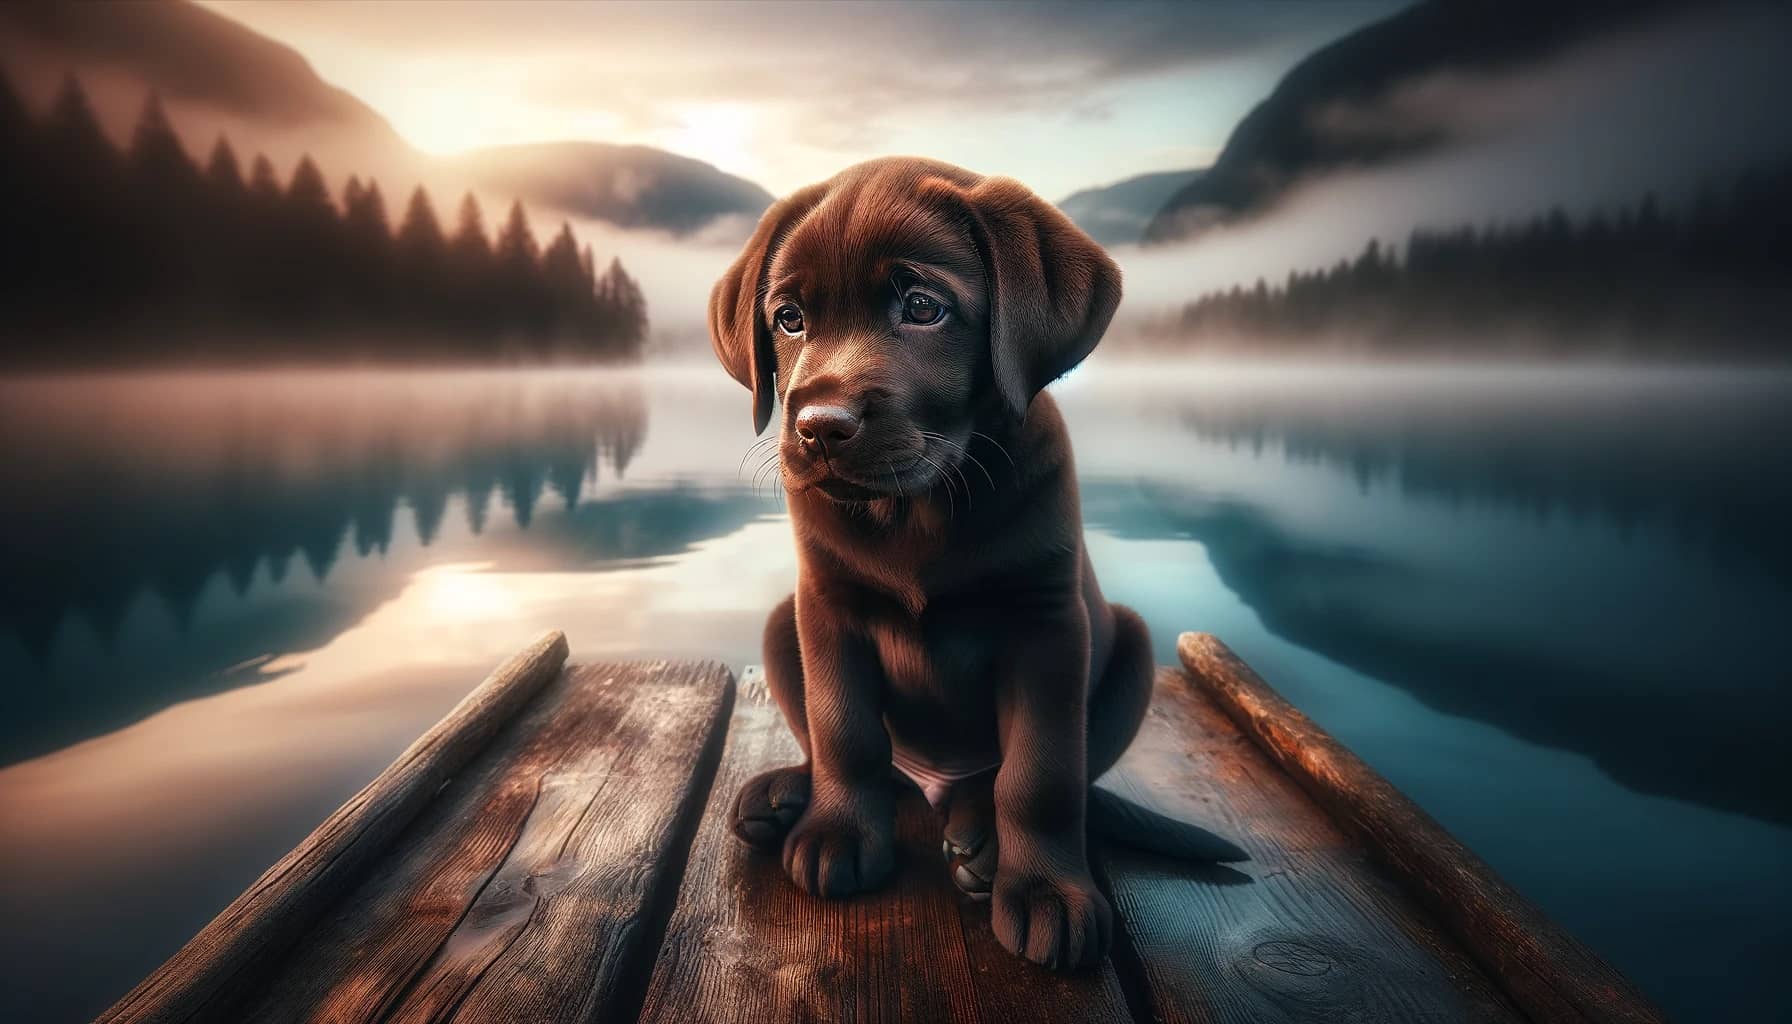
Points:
[[940, 474], [772, 462], [756, 445], [962, 453], [999, 448]]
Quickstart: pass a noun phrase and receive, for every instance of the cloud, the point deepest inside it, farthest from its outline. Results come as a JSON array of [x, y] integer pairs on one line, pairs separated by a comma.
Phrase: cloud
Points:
[[874, 59], [824, 85], [1666, 108]]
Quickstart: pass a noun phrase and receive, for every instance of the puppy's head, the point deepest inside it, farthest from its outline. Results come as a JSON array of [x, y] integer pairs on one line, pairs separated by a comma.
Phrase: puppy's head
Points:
[[893, 308]]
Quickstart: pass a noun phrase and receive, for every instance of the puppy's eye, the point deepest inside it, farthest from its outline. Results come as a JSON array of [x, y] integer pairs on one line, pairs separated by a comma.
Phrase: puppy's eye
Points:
[[921, 308], [789, 319]]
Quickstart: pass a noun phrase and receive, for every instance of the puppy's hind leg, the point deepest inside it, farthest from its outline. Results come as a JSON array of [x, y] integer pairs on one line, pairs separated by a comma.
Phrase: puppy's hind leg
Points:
[[970, 845], [1115, 715], [1120, 699], [1121, 696], [770, 803]]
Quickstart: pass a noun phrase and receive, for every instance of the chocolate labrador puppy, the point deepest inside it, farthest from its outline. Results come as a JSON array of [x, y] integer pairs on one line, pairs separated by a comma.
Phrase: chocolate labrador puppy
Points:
[[907, 314]]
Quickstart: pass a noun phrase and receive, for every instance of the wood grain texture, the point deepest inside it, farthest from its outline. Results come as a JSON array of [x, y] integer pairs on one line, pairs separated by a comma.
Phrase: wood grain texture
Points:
[[536, 886], [1308, 930], [745, 945], [1547, 972], [233, 954], [525, 858]]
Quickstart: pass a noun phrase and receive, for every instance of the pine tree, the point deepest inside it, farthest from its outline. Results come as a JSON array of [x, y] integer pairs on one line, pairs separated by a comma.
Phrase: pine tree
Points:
[[307, 197], [367, 242], [161, 238], [314, 254], [367, 218], [124, 239], [469, 232], [262, 291], [222, 172], [263, 184], [82, 276], [561, 260], [418, 266], [73, 136], [516, 249], [420, 235], [351, 192], [569, 290], [521, 291], [628, 310], [156, 154], [231, 238], [470, 307]]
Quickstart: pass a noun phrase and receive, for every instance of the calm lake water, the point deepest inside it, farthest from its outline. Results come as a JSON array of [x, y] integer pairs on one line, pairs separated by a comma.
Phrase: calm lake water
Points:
[[1550, 605]]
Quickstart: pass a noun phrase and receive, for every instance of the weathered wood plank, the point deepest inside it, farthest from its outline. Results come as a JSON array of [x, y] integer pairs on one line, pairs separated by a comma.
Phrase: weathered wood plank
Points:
[[535, 886], [233, 954], [1544, 969], [1307, 930], [745, 945]]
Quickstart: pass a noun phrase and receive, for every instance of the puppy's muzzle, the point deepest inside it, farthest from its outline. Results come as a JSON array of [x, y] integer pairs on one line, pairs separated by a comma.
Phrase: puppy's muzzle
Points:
[[829, 429]]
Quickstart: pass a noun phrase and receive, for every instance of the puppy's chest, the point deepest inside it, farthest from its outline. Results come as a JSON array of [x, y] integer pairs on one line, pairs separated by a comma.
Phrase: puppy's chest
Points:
[[911, 568], [933, 653], [939, 689]]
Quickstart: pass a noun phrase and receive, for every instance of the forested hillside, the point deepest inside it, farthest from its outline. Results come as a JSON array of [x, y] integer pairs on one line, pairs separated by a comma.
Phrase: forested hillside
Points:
[[1713, 279], [146, 255]]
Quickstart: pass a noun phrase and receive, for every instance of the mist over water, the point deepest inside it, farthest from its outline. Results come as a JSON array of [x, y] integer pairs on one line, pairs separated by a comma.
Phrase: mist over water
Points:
[[1548, 601], [676, 275], [1672, 105], [233, 598]]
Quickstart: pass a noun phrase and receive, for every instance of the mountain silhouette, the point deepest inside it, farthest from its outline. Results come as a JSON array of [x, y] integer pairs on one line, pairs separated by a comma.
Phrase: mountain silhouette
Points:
[[193, 58], [1118, 214], [629, 186], [1704, 280], [218, 76], [1303, 129]]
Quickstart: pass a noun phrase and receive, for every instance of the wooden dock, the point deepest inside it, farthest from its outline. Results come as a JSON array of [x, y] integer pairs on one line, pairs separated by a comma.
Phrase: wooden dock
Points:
[[558, 849]]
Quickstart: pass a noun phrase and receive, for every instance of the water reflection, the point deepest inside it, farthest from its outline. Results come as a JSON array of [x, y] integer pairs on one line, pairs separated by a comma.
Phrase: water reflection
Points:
[[1644, 510], [1597, 562], [228, 600], [1699, 454], [125, 485], [134, 497]]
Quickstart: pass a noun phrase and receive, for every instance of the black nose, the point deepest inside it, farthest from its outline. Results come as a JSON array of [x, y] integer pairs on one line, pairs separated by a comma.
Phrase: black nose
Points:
[[826, 425]]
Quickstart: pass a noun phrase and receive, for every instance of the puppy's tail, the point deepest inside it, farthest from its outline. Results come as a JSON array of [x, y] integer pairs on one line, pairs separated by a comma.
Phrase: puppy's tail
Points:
[[1114, 817]]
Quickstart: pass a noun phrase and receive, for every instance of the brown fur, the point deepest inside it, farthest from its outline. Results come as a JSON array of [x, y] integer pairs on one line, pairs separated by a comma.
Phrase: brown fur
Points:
[[945, 602]]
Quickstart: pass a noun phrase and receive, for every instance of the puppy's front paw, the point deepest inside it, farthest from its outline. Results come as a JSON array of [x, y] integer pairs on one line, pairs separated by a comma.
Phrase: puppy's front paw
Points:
[[836, 854], [769, 804], [1064, 923]]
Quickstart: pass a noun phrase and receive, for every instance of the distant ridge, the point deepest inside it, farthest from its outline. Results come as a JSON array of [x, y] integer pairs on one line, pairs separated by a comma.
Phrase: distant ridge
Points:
[[1289, 136], [216, 75], [629, 186], [190, 55], [1118, 214]]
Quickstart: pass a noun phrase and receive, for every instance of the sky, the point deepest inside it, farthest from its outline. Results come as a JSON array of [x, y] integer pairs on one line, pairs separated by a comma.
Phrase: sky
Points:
[[1063, 96]]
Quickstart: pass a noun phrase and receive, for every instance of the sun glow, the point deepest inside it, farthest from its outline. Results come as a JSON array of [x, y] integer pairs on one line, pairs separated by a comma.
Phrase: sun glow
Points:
[[445, 119], [463, 593], [718, 133]]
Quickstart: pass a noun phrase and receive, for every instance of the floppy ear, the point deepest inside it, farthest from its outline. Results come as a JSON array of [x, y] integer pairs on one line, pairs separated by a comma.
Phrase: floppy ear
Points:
[[1052, 288], [742, 339]]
